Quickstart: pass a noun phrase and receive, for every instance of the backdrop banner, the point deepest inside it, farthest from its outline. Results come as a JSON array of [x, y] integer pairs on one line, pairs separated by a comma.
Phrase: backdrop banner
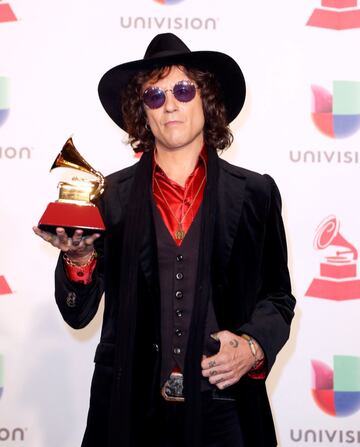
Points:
[[300, 124]]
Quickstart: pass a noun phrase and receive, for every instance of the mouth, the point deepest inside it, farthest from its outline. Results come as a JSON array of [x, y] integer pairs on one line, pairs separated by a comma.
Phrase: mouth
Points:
[[172, 122]]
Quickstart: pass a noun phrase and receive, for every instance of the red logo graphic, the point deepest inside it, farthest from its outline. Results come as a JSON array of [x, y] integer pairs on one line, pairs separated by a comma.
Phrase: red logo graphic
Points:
[[336, 14], [338, 272], [6, 13], [4, 286]]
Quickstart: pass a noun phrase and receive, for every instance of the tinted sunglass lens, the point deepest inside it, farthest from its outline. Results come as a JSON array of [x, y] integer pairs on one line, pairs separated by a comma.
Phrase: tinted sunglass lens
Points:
[[184, 92], [154, 97]]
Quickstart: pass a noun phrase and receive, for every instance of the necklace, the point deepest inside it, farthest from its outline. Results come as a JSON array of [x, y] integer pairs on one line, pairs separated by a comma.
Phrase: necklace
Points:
[[180, 233]]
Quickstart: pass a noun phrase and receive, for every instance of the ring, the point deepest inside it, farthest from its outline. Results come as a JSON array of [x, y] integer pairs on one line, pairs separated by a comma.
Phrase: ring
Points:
[[213, 372]]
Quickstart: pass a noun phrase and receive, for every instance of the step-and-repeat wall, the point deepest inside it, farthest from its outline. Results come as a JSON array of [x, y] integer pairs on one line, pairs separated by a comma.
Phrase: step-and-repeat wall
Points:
[[300, 124]]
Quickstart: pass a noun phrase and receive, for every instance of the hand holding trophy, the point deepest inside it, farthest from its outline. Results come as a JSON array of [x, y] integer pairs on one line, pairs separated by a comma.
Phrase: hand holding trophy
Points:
[[73, 215]]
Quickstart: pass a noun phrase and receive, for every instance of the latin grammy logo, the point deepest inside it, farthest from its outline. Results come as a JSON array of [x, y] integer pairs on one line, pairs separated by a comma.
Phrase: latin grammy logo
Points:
[[336, 14], [338, 271], [6, 13], [4, 286]]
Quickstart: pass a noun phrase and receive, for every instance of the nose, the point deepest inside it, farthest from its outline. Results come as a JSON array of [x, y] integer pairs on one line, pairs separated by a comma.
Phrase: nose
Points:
[[170, 104]]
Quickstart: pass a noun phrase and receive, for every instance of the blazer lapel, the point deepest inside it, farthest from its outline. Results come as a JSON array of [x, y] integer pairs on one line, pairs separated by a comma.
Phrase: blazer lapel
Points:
[[148, 251], [231, 193]]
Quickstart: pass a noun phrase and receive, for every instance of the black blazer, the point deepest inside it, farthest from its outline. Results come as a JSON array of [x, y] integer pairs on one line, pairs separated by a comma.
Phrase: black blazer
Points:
[[250, 287]]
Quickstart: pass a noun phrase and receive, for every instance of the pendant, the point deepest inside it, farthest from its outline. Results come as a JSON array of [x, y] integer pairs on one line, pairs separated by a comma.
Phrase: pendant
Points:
[[180, 234]]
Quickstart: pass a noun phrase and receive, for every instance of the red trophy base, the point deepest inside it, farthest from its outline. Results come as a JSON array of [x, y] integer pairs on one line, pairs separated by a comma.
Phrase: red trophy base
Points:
[[338, 20], [330, 289], [71, 216]]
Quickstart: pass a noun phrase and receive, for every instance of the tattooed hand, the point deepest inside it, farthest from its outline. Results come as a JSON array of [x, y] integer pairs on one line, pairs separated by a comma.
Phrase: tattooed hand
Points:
[[233, 360]]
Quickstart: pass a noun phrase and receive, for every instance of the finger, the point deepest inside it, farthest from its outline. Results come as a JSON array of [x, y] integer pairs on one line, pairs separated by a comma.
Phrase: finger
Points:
[[37, 230], [219, 379], [77, 237], [225, 384], [208, 362], [48, 237], [219, 368], [63, 237], [211, 362], [89, 240], [215, 336], [215, 360]]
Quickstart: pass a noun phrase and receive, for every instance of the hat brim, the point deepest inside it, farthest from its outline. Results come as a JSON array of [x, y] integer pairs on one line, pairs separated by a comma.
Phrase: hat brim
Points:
[[224, 67]]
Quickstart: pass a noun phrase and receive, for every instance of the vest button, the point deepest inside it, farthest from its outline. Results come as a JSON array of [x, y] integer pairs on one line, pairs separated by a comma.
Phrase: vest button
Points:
[[177, 351], [179, 258], [179, 312], [156, 347], [179, 294], [178, 332], [179, 275]]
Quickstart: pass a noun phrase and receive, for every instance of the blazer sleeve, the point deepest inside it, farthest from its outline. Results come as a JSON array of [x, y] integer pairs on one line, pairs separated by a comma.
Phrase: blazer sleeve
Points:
[[270, 321], [78, 303]]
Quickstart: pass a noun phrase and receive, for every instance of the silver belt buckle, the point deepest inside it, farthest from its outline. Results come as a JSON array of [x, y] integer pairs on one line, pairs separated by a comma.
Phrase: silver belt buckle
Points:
[[172, 390]]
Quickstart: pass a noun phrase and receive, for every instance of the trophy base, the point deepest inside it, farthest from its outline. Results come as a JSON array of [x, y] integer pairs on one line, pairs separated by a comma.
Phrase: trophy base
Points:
[[71, 216], [334, 290]]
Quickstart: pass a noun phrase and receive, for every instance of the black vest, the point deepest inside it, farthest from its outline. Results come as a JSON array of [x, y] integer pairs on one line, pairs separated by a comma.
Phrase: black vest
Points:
[[177, 274]]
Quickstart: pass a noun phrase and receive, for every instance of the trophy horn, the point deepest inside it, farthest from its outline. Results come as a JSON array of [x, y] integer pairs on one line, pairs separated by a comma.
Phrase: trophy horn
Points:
[[69, 157], [328, 234]]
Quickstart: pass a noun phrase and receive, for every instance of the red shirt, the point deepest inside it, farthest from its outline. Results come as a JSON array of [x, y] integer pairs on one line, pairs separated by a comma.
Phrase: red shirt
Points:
[[178, 205]]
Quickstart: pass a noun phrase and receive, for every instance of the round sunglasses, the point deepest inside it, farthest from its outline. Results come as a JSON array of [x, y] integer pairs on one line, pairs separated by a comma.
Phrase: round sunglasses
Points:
[[183, 91]]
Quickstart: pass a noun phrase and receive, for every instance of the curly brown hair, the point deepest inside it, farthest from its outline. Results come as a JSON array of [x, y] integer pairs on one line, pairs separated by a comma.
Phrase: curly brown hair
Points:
[[217, 134]]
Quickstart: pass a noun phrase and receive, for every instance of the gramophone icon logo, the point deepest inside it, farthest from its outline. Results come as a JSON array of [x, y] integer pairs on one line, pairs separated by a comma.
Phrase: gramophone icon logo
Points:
[[338, 270]]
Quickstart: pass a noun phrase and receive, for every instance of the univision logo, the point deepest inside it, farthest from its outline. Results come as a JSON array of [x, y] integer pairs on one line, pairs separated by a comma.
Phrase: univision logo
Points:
[[168, 23], [9, 434], [336, 114], [4, 99], [337, 391], [159, 23]]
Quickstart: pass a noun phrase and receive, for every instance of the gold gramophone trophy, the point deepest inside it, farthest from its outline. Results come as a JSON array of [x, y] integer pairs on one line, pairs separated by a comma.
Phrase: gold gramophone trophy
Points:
[[74, 208]]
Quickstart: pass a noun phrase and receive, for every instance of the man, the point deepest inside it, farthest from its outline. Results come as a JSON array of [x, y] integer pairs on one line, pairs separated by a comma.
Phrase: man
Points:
[[193, 264]]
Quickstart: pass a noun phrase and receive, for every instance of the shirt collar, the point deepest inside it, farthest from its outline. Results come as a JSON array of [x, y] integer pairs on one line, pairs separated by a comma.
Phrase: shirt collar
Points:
[[202, 160]]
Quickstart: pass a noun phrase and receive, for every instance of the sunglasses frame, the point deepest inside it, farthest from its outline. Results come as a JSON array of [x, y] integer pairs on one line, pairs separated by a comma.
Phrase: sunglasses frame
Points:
[[183, 82]]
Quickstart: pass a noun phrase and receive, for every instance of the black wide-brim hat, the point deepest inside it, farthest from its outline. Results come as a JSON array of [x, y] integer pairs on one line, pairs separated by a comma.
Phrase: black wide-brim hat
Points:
[[167, 49]]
